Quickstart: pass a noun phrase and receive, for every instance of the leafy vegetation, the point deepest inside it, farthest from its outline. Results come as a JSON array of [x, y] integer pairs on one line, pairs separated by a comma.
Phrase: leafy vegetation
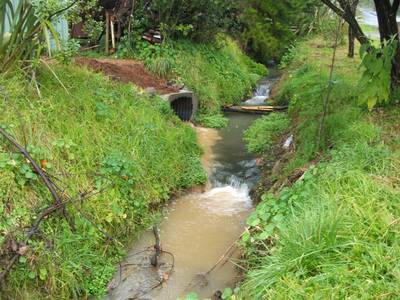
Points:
[[306, 87], [386, 13], [261, 136], [24, 28], [219, 75], [105, 140], [91, 15], [116, 156], [332, 233], [198, 20], [375, 84], [267, 26], [213, 121]]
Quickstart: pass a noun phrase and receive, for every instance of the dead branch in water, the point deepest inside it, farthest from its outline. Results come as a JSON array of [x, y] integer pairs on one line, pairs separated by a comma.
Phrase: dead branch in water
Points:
[[157, 247], [202, 277], [224, 256]]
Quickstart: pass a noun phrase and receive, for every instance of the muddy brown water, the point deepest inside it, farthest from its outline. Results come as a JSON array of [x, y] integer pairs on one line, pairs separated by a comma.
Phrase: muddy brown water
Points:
[[198, 227]]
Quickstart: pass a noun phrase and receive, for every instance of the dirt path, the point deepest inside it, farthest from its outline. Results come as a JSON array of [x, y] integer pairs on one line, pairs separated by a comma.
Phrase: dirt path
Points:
[[127, 70]]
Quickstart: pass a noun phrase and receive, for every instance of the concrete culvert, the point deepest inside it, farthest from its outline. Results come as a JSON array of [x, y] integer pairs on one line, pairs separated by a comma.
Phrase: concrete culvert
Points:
[[184, 104], [183, 107]]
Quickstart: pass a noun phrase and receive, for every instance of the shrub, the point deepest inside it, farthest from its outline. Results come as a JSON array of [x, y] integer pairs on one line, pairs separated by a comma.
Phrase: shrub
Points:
[[266, 26], [198, 20]]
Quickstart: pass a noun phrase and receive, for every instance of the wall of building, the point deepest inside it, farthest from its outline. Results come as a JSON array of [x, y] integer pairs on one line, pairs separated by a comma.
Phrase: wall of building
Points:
[[61, 25]]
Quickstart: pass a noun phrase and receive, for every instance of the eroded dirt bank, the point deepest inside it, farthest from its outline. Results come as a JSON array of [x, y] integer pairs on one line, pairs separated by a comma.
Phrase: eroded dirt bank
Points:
[[128, 71]]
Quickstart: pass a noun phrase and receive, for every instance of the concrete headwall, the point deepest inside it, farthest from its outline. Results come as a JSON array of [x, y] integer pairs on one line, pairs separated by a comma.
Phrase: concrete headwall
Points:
[[184, 103]]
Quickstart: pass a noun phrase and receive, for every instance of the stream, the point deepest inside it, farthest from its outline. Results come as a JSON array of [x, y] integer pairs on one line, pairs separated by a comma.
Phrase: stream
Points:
[[200, 226]]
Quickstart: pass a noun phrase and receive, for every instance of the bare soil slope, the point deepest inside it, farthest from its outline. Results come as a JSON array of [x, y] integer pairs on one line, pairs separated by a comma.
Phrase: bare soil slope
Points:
[[127, 70]]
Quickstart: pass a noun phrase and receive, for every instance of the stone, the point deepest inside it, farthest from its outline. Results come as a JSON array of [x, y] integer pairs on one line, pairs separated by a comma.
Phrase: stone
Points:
[[151, 91]]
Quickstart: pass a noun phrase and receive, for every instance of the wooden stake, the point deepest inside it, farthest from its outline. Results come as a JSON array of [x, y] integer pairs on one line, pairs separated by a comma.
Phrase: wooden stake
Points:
[[112, 33], [107, 32]]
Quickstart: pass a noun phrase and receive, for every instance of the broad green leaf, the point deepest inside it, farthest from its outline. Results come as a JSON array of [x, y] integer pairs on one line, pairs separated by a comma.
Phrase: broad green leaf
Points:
[[246, 236], [43, 274], [254, 222], [227, 293], [32, 275], [191, 296], [264, 235]]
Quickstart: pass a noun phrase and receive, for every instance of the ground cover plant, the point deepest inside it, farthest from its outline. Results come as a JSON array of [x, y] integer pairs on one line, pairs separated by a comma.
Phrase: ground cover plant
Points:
[[103, 139], [332, 233]]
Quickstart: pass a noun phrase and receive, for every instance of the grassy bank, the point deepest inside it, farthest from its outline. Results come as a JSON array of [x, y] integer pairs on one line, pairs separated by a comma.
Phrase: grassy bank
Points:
[[219, 73], [118, 154], [330, 232]]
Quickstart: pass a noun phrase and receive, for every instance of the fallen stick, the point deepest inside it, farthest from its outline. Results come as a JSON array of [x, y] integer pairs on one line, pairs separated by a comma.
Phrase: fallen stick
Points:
[[46, 212], [157, 247], [59, 205], [224, 257], [255, 109], [35, 166]]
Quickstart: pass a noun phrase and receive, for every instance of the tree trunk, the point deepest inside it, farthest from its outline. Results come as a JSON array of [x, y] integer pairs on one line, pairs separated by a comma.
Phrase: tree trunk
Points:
[[353, 7], [351, 43], [388, 29]]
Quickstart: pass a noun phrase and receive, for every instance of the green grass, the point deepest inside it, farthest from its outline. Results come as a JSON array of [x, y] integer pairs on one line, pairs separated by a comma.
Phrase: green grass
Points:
[[262, 134], [100, 136], [217, 120], [332, 234], [305, 88], [370, 31]]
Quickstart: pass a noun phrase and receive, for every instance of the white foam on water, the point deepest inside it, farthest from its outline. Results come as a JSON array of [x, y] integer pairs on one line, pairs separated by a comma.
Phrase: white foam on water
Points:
[[256, 100], [263, 89], [262, 93], [227, 199]]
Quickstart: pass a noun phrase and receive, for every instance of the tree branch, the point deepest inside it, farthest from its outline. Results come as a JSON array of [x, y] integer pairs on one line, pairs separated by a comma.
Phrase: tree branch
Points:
[[346, 13], [57, 13], [336, 9], [35, 166]]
